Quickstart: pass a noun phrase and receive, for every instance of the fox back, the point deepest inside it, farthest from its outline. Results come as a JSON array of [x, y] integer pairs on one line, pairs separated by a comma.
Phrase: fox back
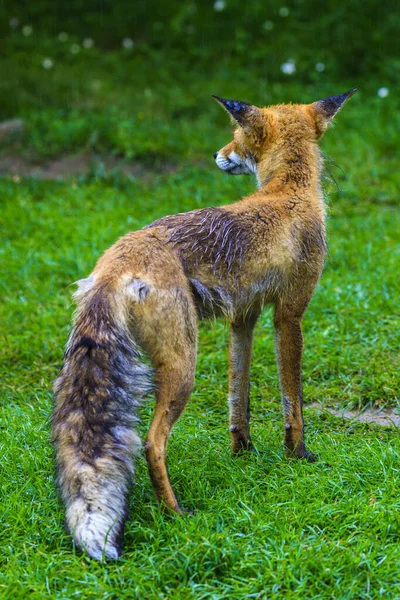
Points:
[[146, 294]]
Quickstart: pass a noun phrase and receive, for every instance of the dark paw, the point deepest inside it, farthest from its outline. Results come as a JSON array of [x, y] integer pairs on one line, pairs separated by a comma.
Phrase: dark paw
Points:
[[241, 447], [187, 512], [302, 455], [176, 510], [308, 456]]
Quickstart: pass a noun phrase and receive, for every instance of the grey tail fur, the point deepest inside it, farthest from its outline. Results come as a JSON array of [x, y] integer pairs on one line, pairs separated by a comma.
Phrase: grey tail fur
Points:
[[101, 385]]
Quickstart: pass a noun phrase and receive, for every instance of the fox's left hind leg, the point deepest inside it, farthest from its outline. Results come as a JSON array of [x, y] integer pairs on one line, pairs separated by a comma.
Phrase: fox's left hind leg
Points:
[[171, 341], [173, 392], [240, 351]]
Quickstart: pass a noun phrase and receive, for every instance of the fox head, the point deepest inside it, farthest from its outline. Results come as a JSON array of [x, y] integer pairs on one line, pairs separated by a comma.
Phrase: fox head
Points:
[[265, 137]]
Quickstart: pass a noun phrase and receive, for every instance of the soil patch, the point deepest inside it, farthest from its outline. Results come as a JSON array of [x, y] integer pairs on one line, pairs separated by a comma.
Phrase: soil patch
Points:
[[64, 167], [385, 418]]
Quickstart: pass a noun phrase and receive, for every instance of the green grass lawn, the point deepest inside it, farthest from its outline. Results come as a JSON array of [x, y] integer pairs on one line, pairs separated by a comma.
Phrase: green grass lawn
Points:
[[264, 526]]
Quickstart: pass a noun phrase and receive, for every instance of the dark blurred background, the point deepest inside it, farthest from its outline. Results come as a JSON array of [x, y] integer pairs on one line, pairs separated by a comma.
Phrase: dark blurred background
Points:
[[134, 78]]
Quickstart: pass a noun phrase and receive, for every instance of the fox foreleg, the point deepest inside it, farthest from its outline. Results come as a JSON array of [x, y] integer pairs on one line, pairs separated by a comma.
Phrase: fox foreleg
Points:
[[289, 350], [240, 351]]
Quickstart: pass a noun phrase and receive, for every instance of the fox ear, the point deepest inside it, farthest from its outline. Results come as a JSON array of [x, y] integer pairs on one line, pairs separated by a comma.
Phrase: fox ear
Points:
[[325, 110], [241, 112]]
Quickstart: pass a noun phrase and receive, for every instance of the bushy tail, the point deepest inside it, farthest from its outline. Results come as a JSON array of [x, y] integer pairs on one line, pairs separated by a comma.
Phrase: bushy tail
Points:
[[101, 385]]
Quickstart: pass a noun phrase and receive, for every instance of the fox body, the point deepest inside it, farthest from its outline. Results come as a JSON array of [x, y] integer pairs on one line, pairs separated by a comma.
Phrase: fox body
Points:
[[146, 294]]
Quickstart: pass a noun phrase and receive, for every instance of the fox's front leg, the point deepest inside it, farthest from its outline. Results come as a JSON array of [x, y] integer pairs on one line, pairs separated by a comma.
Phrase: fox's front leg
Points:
[[240, 350], [289, 350]]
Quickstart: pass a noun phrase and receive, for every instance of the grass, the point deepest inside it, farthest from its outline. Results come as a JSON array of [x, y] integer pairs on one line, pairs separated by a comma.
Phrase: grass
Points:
[[264, 526]]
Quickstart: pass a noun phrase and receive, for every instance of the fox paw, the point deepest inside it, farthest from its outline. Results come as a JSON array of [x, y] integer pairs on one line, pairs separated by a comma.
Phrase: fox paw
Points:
[[241, 447], [302, 455], [308, 456]]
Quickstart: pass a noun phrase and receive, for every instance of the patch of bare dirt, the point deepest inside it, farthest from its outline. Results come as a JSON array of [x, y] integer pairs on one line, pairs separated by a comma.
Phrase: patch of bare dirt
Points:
[[64, 167], [385, 418], [11, 128]]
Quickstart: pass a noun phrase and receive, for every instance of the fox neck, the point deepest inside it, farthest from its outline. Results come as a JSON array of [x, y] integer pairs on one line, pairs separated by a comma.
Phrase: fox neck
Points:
[[292, 166]]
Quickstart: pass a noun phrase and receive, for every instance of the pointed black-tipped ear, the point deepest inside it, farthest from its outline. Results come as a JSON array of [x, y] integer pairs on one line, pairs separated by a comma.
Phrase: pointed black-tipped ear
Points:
[[239, 111], [326, 109], [330, 106]]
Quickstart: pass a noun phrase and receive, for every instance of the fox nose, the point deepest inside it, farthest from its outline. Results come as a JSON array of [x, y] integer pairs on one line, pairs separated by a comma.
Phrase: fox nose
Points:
[[215, 154]]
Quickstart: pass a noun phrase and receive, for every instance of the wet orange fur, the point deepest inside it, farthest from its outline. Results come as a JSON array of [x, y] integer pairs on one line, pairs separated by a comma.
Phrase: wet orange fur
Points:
[[276, 239]]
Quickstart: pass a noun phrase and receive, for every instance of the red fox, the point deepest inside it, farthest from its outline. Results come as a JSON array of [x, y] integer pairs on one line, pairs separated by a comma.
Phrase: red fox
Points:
[[146, 294]]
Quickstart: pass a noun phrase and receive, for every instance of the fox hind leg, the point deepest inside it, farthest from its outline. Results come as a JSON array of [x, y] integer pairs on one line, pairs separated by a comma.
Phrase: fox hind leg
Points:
[[172, 395], [171, 342]]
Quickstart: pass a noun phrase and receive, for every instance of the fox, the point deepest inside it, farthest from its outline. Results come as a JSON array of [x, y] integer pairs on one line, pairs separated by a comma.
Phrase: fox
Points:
[[135, 327]]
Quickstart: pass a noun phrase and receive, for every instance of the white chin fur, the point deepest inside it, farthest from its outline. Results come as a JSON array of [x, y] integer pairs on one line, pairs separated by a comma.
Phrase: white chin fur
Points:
[[234, 164]]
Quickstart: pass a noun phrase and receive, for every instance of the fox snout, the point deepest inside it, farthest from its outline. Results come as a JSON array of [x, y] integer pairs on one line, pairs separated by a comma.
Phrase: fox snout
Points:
[[231, 162], [224, 163]]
